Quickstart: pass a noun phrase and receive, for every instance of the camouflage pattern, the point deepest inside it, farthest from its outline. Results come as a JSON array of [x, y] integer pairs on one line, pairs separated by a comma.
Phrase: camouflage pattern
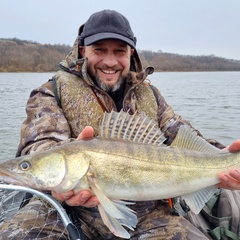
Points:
[[156, 222], [34, 221], [48, 125], [95, 102]]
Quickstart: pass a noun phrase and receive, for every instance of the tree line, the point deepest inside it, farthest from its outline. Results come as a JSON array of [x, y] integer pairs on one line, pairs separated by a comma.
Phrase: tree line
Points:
[[29, 56], [176, 62]]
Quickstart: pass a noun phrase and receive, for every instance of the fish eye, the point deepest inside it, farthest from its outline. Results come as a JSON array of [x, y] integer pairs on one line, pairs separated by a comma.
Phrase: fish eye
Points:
[[25, 165]]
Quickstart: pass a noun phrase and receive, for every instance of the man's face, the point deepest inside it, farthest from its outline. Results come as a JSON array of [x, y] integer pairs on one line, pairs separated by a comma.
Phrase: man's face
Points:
[[108, 62]]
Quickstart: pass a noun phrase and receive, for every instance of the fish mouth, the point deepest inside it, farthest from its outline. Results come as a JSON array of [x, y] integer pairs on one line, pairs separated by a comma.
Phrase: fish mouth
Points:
[[5, 178]]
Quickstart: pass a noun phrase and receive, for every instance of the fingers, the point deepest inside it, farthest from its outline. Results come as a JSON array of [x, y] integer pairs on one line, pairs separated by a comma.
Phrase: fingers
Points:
[[230, 181], [62, 196], [234, 147], [83, 198], [86, 133]]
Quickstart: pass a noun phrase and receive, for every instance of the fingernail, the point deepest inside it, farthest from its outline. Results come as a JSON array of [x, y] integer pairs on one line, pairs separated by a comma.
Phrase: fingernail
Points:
[[235, 173], [225, 178], [84, 197], [67, 196]]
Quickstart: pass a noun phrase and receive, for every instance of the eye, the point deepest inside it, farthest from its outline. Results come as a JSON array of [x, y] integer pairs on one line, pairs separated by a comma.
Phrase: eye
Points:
[[99, 50], [121, 50], [25, 165]]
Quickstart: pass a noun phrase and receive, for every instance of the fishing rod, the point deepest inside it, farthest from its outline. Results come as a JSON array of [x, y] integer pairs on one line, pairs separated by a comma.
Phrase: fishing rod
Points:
[[72, 230]]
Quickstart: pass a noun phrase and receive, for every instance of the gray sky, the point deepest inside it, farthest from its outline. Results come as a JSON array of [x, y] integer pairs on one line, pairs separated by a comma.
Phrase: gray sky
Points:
[[195, 27]]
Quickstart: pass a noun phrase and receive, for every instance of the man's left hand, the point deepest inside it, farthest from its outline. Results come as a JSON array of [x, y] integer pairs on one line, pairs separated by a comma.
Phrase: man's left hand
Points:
[[231, 180]]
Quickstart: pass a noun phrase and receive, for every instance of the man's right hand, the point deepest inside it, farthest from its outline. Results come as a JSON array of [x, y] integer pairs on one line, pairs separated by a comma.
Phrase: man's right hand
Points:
[[83, 197]]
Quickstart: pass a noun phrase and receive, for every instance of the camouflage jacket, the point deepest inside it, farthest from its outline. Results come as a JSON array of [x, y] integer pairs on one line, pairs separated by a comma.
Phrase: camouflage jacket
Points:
[[47, 126]]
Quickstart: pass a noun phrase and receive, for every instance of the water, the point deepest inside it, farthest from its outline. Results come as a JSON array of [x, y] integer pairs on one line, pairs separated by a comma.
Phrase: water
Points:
[[14, 92], [209, 100]]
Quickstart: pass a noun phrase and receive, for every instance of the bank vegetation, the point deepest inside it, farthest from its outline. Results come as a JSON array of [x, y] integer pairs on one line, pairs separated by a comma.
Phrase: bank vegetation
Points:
[[28, 56]]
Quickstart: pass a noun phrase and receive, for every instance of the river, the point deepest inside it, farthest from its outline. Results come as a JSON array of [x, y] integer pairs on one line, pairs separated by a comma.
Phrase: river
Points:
[[209, 100]]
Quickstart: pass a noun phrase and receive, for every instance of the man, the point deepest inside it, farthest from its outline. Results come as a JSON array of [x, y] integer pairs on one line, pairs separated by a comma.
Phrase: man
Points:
[[102, 72]]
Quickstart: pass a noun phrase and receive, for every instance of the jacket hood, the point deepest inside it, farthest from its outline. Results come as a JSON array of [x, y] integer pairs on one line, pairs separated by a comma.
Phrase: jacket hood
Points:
[[74, 56]]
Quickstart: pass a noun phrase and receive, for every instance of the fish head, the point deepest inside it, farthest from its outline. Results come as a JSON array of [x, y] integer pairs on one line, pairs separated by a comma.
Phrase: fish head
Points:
[[42, 171]]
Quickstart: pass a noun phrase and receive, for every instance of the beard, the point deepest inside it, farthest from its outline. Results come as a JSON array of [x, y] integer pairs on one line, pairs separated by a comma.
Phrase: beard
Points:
[[103, 85], [110, 87]]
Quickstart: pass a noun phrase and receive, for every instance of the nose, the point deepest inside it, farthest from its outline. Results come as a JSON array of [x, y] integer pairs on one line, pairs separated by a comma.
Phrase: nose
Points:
[[110, 59]]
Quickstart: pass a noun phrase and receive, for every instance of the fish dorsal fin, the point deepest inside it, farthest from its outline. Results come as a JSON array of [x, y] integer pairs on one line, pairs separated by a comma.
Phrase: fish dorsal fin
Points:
[[187, 138], [137, 128]]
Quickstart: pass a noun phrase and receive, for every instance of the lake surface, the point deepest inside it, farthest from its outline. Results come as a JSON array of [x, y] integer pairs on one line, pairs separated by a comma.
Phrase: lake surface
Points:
[[209, 100]]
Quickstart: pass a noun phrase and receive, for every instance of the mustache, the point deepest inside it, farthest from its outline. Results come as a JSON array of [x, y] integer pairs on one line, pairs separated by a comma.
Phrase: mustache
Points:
[[108, 68]]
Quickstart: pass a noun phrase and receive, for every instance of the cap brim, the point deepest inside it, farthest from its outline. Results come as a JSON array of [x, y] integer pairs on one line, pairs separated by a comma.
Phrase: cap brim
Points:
[[102, 36]]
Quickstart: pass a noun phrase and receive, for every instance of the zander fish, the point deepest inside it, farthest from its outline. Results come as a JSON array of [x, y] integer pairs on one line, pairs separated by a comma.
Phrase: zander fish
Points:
[[127, 161]]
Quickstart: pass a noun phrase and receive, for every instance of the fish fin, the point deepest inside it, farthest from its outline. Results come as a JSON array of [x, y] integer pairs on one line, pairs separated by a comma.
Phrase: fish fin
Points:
[[187, 138], [113, 224], [196, 201], [114, 213], [137, 128], [129, 219]]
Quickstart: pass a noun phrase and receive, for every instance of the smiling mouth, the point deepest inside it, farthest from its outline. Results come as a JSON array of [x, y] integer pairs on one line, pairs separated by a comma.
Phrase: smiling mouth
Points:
[[109, 71]]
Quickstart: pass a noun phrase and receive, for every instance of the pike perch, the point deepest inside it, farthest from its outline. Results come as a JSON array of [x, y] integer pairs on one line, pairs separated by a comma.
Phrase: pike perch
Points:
[[126, 162]]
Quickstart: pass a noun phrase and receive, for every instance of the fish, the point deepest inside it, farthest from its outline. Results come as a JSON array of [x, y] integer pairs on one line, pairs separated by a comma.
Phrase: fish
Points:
[[127, 162]]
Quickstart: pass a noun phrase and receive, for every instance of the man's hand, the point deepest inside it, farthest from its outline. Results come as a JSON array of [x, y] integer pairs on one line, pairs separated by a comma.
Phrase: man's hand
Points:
[[232, 179], [84, 197]]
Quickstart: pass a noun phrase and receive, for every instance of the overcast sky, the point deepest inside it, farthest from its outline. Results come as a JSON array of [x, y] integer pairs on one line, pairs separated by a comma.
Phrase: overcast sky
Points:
[[195, 27]]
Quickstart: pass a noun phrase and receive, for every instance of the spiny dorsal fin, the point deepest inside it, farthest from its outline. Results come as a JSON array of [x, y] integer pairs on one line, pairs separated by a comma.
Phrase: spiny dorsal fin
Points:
[[137, 128], [187, 138]]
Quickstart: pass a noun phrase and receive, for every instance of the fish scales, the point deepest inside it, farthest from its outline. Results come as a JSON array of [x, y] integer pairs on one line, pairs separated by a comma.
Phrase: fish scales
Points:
[[149, 167]]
